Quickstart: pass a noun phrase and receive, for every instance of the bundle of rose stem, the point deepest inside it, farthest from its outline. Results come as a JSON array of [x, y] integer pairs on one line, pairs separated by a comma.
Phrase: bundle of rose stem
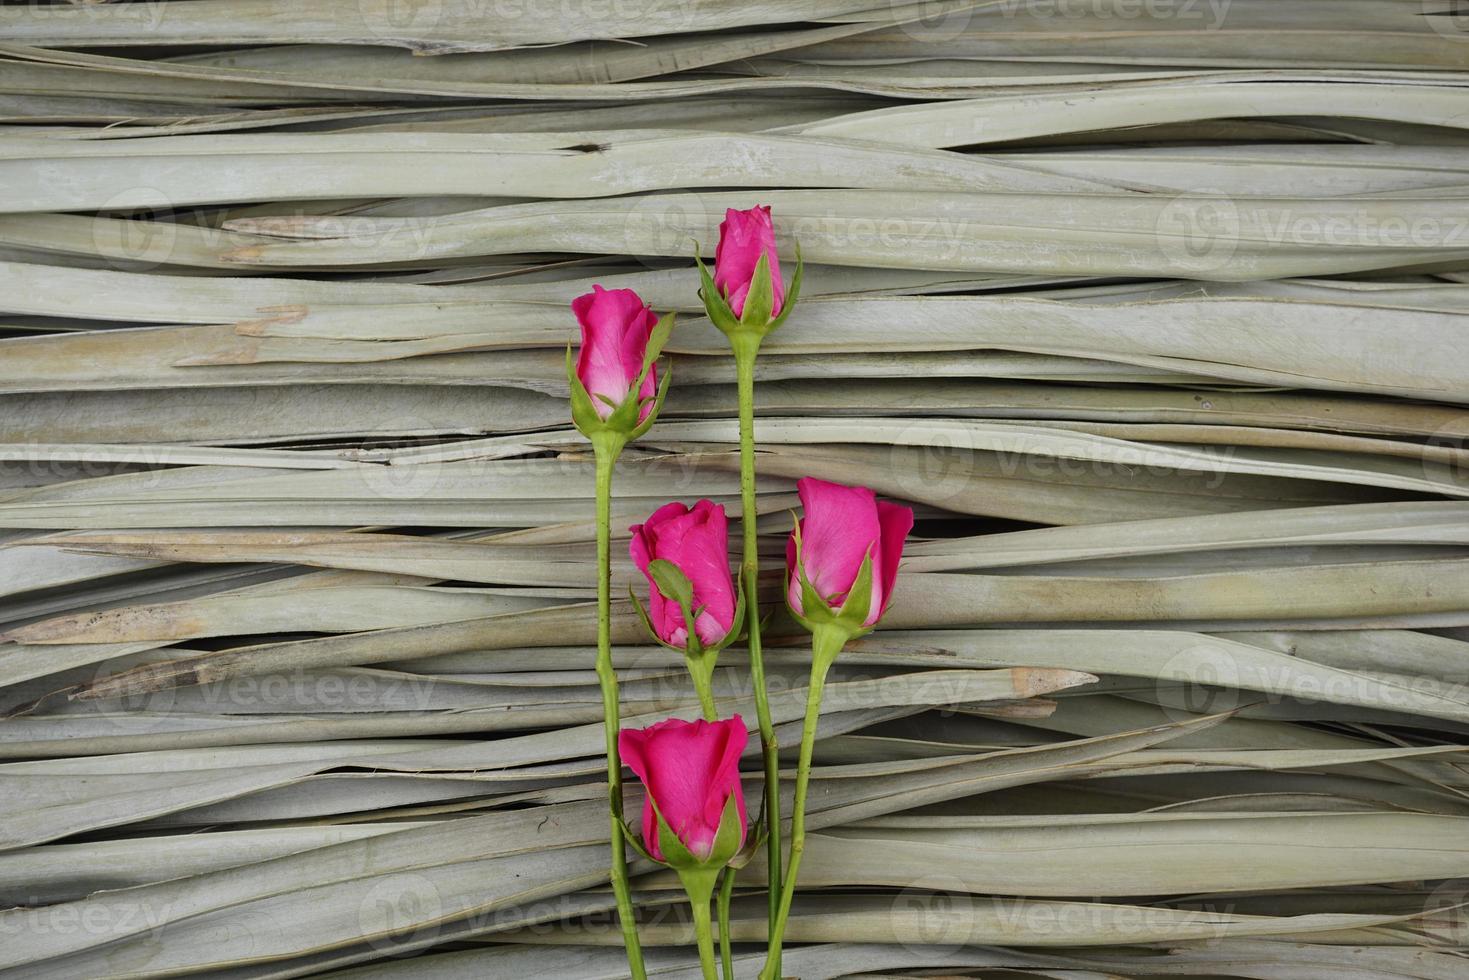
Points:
[[841, 565]]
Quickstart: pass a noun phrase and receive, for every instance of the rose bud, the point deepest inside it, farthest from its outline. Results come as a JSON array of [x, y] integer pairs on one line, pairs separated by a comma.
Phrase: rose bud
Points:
[[691, 771], [696, 543], [744, 236], [616, 326], [843, 527]]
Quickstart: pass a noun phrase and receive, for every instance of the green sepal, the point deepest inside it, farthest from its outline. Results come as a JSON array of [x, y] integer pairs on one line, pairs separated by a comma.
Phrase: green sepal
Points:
[[647, 620], [657, 340], [714, 304], [760, 298], [583, 410], [813, 604], [792, 294], [675, 855], [634, 402], [858, 604], [810, 598], [756, 317], [674, 585], [758, 833], [726, 842], [658, 397], [623, 419], [629, 836], [677, 588], [672, 582], [816, 612]]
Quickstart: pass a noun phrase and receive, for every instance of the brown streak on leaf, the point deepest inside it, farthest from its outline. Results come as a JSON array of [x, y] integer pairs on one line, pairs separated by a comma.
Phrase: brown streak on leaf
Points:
[[138, 681], [248, 354], [261, 327], [244, 254], [1033, 681]]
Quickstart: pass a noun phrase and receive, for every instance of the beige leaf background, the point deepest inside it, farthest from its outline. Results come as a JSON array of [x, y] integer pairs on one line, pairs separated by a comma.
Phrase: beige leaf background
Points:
[[1157, 314]]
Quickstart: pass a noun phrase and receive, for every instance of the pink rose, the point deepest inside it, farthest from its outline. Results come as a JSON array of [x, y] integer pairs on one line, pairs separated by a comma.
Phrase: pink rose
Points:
[[842, 526], [697, 542], [744, 236], [615, 327], [690, 768]]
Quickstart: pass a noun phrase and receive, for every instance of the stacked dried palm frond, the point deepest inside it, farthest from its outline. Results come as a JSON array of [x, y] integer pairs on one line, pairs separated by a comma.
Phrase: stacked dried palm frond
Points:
[[1158, 313]]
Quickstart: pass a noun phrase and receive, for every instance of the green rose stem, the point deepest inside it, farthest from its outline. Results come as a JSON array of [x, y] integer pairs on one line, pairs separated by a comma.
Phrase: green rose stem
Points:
[[609, 428], [826, 643], [700, 874], [706, 701], [726, 889], [746, 346], [701, 891], [607, 446], [757, 318]]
